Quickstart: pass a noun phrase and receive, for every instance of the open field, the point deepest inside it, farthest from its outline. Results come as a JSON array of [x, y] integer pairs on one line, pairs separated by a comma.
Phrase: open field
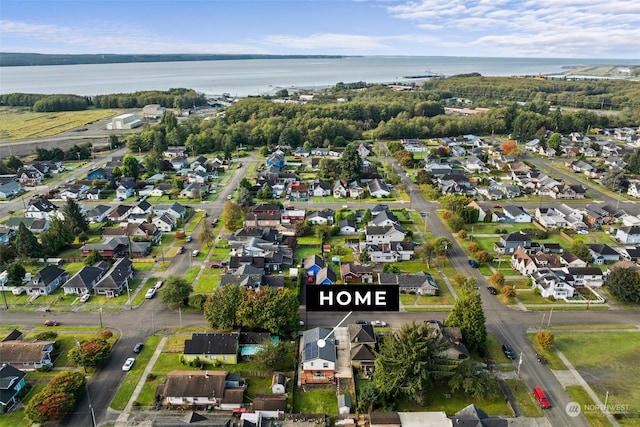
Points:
[[16, 124], [614, 372]]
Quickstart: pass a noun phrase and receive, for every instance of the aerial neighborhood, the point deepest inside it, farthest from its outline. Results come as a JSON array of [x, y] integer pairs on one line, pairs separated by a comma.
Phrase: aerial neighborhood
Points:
[[197, 234]]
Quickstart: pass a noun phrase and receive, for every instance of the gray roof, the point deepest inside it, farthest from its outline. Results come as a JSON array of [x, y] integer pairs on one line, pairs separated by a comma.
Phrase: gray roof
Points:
[[311, 349], [212, 343]]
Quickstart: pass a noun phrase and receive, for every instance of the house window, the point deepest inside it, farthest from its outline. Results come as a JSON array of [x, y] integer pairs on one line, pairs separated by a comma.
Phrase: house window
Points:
[[318, 375], [325, 365]]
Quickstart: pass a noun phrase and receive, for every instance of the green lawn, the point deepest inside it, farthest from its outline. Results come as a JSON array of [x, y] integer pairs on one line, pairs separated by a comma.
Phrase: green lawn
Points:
[[579, 394], [133, 376], [524, 398], [208, 281], [315, 402], [191, 273], [553, 360], [494, 348], [143, 266], [303, 252], [615, 371]]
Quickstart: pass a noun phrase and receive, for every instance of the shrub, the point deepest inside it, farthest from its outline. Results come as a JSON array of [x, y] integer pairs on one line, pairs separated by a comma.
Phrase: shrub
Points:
[[151, 377], [47, 336], [508, 291], [544, 339], [197, 301], [473, 247], [462, 234], [106, 334]]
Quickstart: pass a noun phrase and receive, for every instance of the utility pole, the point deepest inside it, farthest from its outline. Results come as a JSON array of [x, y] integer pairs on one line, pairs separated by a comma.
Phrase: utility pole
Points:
[[93, 414]]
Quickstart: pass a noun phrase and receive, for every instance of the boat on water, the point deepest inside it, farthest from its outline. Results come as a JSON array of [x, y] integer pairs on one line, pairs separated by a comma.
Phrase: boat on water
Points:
[[426, 75]]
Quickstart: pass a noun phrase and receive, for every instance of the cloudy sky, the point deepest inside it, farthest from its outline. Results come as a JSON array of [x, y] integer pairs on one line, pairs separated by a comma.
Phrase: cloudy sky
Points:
[[507, 28]]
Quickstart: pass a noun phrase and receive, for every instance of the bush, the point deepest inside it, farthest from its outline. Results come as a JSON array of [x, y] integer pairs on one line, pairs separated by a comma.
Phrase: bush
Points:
[[197, 301], [544, 339], [47, 336], [106, 334], [151, 377], [508, 291], [44, 368]]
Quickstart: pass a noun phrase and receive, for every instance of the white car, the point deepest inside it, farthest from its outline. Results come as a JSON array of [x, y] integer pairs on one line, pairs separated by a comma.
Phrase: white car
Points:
[[85, 297], [229, 197], [150, 293], [379, 323], [158, 285], [128, 364]]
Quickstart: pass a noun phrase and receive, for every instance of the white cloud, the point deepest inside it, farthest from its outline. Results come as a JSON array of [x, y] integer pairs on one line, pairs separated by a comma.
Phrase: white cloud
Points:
[[351, 42]]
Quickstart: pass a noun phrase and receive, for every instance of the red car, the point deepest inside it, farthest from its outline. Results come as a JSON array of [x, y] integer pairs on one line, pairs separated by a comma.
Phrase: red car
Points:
[[181, 250], [51, 323], [215, 265]]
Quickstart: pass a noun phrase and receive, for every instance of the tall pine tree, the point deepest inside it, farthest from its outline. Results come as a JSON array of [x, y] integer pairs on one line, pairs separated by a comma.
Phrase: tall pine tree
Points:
[[26, 243], [468, 315]]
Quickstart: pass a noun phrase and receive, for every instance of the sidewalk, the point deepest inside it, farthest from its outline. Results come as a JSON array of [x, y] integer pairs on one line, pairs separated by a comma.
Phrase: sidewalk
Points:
[[124, 415]]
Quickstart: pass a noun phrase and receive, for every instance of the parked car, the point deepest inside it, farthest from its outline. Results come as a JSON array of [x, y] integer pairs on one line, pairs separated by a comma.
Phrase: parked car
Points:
[[508, 351], [541, 398], [180, 250], [541, 358], [138, 348], [189, 239], [473, 263], [492, 290], [215, 265], [150, 293], [229, 197], [85, 297], [158, 285], [195, 252], [128, 364], [379, 323], [362, 322], [51, 323]]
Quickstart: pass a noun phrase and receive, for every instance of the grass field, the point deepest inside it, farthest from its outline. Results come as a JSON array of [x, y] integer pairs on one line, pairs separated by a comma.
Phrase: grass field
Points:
[[579, 394], [524, 398], [615, 371], [21, 124]]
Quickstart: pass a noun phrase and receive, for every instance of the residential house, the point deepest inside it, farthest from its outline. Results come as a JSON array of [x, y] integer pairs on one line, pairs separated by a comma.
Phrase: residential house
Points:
[[596, 216], [26, 355], [125, 189], [378, 188], [312, 265], [326, 276], [203, 389], [11, 382], [421, 283], [34, 225], [456, 183], [318, 362], [193, 191], [9, 189], [291, 216], [340, 189], [269, 405], [111, 247], [84, 280], [628, 235], [356, 190], [586, 276], [223, 347], [30, 177], [387, 234], [381, 253], [634, 188], [364, 149], [177, 151], [138, 232], [176, 210], [179, 162], [384, 219], [320, 188], [471, 415], [356, 273], [451, 338], [164, 222], [262, 219], [47, 280], [298, 191], [516, 214], [100, 174], [116, 280], [508, 243], [363, 342], [276, 160], [603, 253], [41, 208], [474, 165], [566, 191], [321, 217], [551, 284], [142, 208], [571, 260], [74, 191], [522, 262], [120, 213], [98, 213], [347, 226]]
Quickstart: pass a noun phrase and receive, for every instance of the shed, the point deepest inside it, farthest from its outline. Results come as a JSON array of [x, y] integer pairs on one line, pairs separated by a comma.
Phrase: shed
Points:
[[344, 404]]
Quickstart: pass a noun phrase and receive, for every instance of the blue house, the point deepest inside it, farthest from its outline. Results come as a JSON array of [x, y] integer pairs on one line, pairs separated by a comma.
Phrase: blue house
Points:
[[125, 189], [313, 265], [276, 159], [100, 173], [11, 382]]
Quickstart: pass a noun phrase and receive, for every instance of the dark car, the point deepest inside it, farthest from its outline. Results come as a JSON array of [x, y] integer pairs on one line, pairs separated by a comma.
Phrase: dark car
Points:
[[473, 263], [541, 358], [51, 323], [138, 347], [362, 322], [215, 265], [508, 351], [492, 290]]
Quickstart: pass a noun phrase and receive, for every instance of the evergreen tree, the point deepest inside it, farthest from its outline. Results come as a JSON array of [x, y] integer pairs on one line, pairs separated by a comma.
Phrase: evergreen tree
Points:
[[74, 217], [26, 243], [350, 164], [468, 315]]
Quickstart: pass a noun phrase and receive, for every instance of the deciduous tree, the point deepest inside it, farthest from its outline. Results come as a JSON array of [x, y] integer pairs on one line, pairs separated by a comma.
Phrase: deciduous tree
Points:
[[624, 284], [233, 216], [545, 339], [175, 291]]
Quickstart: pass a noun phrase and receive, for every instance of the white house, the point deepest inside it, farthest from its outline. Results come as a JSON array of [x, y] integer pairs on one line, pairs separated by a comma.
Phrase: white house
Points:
[[385, 235], [628, 235]]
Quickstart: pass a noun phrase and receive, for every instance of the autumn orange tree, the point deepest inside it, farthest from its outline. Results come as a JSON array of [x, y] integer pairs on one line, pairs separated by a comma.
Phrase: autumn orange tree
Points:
[[508, 147], [92, 353], [58, 398]]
